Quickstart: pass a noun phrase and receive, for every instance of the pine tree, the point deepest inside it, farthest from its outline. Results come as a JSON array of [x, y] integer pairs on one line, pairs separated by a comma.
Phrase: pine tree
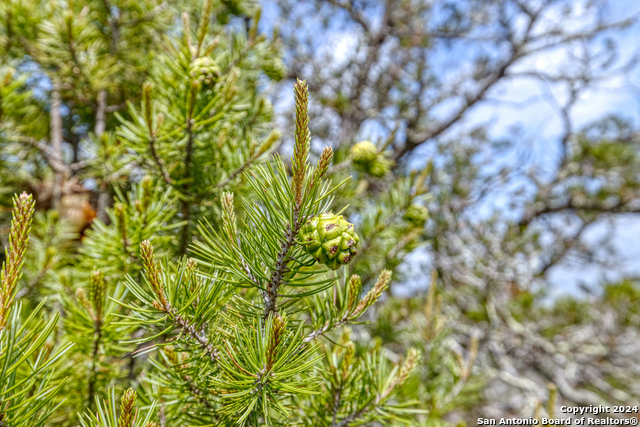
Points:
[[238, 328], [241, 323], [158, 127]]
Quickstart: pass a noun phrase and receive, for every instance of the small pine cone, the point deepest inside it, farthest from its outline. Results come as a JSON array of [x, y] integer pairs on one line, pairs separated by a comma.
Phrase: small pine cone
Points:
[[274, 69], [330, 239], [204, 70], [366, 158], [416, 215], [380, 166], [363, 153]]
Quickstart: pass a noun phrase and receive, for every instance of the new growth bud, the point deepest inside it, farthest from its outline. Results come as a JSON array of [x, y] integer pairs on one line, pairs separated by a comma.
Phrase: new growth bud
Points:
[[23, 208], [153, 274], [374, 294], [127, 409]]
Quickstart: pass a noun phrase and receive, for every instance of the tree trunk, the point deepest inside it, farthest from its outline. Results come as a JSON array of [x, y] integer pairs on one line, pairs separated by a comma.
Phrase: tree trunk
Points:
[[103, 190], [56, 143]]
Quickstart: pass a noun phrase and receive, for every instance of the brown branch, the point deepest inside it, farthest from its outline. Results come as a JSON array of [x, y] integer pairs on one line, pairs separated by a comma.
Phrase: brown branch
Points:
[[277, 275], [158, 161], [571, 205], [186, 204], [412, 141], [56, 141]]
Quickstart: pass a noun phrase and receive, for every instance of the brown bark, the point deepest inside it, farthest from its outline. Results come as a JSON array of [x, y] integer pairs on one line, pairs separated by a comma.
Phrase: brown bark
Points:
[[56, 142]]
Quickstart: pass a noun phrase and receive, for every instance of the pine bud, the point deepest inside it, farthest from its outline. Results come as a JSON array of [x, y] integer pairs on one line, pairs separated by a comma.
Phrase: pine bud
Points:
[[121, 217], [98, 292], [23, 208], [278, 328], [354, 289], [323, 163], [171, 354], [229, 216], [147, 88], [81, 295], [374, 294], [153, 275], [408, 366], [303, 137], [348, 359], [269, 141], [147, 192]]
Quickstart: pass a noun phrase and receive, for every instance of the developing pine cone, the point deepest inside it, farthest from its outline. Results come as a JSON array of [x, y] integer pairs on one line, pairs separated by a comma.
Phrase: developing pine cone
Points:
[[330, 239]]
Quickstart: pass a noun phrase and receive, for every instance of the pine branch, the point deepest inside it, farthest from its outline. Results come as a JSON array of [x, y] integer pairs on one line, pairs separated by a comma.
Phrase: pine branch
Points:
[[98, 288], [186, 204], [192, 383], [264, 147], [353, 311], [301, 153], [153, 273], [146, 94], [406, 369]]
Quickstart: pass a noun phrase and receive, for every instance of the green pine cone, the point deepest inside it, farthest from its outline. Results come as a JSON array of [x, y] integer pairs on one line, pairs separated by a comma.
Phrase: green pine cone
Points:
[[380, 166], [366, 158], [363, 153], [330, 239], [274, 69], [417, 215], [204, 70]]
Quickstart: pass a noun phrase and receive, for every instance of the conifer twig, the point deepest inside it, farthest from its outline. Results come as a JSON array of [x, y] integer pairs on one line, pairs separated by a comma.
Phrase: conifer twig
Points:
[[407, 367], [353, 311], [161, 303], [301, 152], [98, 289]]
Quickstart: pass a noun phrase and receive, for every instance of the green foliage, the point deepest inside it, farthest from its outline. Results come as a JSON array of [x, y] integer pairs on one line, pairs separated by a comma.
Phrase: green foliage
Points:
[[142, 214], [27, 379], [444, 382], [234, 354]]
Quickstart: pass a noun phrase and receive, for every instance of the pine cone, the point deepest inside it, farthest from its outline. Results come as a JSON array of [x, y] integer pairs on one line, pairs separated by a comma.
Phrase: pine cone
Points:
[[330, 239], [416, 215], [274, 69], [366, 158], [380, 166], [204, 70], [363, 153]]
